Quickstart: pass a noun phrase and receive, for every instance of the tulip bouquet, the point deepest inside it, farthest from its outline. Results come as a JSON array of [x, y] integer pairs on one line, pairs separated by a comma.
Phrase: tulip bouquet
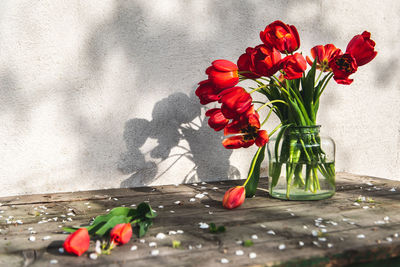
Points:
[[291, 93], [114, 229]]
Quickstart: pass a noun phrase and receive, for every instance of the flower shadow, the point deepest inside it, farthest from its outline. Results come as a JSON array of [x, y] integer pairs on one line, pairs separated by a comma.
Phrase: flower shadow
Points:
[[182, 135]]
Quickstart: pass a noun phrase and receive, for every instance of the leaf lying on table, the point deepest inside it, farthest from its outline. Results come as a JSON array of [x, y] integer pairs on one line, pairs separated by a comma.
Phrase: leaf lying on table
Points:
[[140, 218], [214, 229]]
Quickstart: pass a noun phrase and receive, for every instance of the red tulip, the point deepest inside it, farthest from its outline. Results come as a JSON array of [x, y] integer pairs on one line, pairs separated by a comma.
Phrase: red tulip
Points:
[[223, 73], [293, 66], [342, 66], [261, 61], [361, 47], [245, 63], [217, 120], [247, 130], [121, 233], [235, 101], [234, 197], [207, 92], [323, 54], [77, 242], [281, 36]]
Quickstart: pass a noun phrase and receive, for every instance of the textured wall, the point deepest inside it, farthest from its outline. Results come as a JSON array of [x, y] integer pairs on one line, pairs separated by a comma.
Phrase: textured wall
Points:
[[100, 94]]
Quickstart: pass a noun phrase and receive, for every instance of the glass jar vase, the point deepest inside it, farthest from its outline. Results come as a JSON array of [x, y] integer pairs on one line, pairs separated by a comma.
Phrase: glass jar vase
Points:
[[301, 164]]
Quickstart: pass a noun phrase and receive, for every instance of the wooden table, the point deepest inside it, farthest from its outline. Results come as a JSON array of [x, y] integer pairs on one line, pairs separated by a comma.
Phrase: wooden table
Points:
[[332, 232]]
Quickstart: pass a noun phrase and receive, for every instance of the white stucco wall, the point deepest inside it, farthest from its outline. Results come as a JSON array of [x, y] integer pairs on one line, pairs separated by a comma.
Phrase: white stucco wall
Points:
[[100, 94]]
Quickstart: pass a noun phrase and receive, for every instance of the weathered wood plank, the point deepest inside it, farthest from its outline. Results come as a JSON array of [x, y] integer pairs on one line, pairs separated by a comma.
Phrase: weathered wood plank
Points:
[[291, 223]]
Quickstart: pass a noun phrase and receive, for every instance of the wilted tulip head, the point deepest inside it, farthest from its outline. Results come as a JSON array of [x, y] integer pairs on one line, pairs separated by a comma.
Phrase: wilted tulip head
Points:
[[77, 242], [234, 197]]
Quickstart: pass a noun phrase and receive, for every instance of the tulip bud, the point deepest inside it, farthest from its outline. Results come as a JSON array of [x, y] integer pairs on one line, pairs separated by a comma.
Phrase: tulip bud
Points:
[[121, 233], [234, 197], [77, 242]]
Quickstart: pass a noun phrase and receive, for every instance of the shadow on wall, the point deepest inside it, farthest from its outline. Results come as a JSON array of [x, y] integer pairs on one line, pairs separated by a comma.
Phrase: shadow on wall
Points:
[[174, 120]]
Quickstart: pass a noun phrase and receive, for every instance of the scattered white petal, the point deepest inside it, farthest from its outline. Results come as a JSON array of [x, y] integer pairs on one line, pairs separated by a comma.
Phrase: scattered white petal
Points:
[[380, 222], [352, 223], [97, 248], [386, 218], [199, 246], [254, 237], [316, 243], [203, 225], [203, 188], [192, 199], [329, 245], [314, 233], [69, 219], [305, 227], [179, 231], [133, 205], [47, 237], [271, 232], [360, 236], [160, 236], [207, 206], [356, 204], [19, 222], [200, 196], [333, 223], [345, 219], [172, 211], [203, 183], [161, 207], [369, 183], [155, 252], [389, 239], [365, 207], [177, 202], [32, 238], [210, 212], [239, 252], [281, 246], [61, 250], [171, 233], [152, 244], [30, 228], [71, 214], [93, 256], [301, 243], [194, 184], [396, 235], [239, 242], [114, 198], [142, 241], [324, 230], [107, 210], [263, 226], [53, 261], [215, 188], [190, 247], [392, 189], [205, 193], [89, 208], [292, 214], [322, 239], [133, 248], [223, 260], [252, 255]]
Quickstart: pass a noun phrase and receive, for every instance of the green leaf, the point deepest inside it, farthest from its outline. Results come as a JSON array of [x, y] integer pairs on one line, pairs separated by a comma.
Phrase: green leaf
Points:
[[100, 220], [254, 172], [215, 230], [104, 229], [70, 229], [144, 210], [142, 227]]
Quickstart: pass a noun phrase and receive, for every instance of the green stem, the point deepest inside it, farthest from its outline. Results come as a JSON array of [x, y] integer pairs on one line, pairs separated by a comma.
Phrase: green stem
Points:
[[271, 102], [252, 166], [276, 129]]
